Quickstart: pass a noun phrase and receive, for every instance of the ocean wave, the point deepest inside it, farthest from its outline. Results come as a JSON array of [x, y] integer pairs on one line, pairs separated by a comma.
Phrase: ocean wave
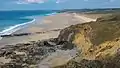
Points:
[[13, 29], [51, 14], [17, 27]]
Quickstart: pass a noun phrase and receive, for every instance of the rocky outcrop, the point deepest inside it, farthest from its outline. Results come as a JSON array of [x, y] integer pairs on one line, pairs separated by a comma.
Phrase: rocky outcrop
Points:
[[26, 34], [98, 41], [28, 55], [98, 44]]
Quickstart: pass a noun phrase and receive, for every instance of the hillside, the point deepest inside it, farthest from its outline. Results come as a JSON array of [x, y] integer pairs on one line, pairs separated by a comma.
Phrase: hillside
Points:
[[93, 44], [98, 42]]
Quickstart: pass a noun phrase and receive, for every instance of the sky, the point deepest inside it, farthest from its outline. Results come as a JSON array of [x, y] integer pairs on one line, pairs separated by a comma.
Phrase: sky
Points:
[[56, 4]]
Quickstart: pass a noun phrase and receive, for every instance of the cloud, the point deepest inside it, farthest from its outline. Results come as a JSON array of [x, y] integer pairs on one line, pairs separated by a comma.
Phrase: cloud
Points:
[[61, 1], [86, 0], [58, 1], [38, 1], [30, 1], [111, 0]]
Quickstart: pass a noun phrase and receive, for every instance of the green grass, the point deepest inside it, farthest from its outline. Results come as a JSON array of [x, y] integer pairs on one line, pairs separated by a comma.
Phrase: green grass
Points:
[[105, 30]]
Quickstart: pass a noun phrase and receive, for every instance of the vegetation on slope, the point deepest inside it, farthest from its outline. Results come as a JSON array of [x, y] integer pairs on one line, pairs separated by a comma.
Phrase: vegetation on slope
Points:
[[98, 41]]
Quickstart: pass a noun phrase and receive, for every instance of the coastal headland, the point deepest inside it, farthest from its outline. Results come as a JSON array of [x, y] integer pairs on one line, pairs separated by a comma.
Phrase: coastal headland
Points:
[[36, 34], [64, 40], [45, 28]]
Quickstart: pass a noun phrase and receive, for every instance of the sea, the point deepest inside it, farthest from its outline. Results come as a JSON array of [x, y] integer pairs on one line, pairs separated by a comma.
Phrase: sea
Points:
[[11, 21]]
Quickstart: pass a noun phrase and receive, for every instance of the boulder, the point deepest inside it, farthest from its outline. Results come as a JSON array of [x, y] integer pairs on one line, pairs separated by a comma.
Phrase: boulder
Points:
[[67, 45]]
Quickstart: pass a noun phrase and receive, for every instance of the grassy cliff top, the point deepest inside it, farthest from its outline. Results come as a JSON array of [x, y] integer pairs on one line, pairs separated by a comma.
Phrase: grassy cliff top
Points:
[[99, 43], [104, 29]]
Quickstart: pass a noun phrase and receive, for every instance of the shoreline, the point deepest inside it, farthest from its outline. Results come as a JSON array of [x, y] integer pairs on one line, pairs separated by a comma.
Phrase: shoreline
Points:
[[47, 23], [34, 19], [17, 27], [45, 49]]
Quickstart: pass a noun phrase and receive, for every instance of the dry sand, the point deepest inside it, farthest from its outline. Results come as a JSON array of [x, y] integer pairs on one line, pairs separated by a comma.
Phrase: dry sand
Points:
[[58, 58], [47, 23], [58, 21]]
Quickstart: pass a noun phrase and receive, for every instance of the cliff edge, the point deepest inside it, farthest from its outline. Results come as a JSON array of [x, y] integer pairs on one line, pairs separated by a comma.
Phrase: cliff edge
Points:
[[98, 42]]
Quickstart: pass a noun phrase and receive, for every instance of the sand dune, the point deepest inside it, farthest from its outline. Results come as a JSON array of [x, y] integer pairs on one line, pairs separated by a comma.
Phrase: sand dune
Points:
[[86, 19]]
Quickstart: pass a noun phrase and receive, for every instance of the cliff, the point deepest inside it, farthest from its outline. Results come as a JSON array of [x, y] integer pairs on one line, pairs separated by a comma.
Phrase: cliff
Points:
[[98, 42]]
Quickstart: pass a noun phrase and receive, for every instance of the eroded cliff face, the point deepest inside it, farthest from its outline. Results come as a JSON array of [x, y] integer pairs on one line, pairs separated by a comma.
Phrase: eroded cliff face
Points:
[[99, 43]]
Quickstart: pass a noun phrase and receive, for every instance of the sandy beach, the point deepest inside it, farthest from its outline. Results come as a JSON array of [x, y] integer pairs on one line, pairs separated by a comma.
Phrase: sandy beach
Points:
[[43, 29], [46, 24], [59, 33]]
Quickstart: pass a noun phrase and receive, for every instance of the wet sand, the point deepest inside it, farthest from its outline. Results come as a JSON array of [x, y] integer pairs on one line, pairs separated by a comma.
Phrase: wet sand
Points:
[[47, 23]]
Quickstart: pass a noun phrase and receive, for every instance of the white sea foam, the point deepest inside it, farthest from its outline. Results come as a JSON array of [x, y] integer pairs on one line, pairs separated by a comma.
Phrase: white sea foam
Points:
[[12, 29], [51, 14], [17, 27]]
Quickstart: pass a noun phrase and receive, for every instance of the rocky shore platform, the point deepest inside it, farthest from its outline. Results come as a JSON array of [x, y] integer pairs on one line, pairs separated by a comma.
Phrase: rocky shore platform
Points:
[[29, 55]]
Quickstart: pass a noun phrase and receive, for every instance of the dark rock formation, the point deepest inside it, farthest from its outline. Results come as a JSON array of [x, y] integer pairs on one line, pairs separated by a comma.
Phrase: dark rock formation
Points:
[[98, 41], [96, 55], [67, 45], [11, 35], [25, 55]]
